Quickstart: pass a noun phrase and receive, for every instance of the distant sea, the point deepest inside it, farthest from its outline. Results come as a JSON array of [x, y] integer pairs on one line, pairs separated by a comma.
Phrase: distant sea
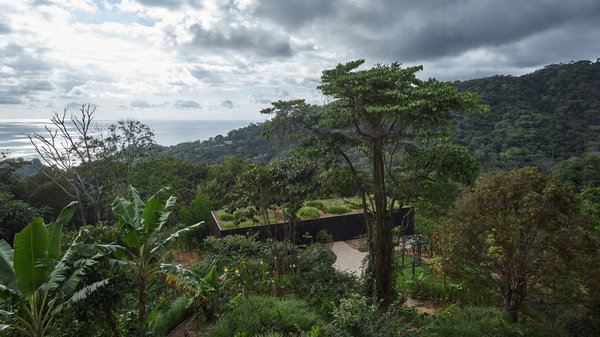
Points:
[[13, 133]]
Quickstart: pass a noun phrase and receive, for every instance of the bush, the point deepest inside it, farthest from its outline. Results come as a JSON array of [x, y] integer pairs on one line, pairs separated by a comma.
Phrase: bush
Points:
[[474, 321], [336, 209], [318, 282], [323, 236], [255, 315], [222, 215], [356, 317], [308, 212], [168, 320], [425, 225], [233, 245], [315, 203], [198, 210]]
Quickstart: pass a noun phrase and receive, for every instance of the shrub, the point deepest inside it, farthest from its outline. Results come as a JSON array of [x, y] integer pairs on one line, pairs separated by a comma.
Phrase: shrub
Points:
[[222, 215], [318, 282], [474, 321], [255, 315], [233, 245], [315, 203], [323, 236], [198, 210], [168, 320], [308, 212], [356, 317], [336, 209]]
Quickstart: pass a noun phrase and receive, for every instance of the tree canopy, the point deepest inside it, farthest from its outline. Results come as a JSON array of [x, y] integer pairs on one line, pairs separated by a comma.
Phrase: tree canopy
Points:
[[375, 112], [517, 232]]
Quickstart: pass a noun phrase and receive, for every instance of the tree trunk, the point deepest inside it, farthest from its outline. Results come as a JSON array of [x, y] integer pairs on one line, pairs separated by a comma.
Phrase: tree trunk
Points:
[[383, 228], [142, 296], [512, 302]]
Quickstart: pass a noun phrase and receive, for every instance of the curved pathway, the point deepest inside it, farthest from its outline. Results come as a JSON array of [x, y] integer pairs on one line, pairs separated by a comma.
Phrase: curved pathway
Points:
[[348, 259]]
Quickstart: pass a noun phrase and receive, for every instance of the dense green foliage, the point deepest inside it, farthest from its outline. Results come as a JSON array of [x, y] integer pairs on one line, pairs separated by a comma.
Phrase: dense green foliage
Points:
[[474, 322], [254, 315], [517, 233], [385, 114], [536, 119], [246, 142], [520, 240]]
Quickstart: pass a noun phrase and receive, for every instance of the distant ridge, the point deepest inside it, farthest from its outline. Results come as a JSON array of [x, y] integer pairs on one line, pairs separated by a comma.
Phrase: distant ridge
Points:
[[550, 115], [539, 119]]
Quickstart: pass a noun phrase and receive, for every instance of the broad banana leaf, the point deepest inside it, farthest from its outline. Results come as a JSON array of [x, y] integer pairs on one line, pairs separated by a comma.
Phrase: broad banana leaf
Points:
[[7, 272], [169, 240], [30, 255], [55, 229]]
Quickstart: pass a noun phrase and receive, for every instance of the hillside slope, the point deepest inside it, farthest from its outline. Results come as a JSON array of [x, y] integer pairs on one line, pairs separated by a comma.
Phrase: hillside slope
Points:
[[541, 118], [538, 119]]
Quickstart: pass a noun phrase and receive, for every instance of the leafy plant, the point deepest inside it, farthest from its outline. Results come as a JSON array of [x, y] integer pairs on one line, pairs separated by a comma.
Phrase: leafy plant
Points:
[[254, 315], [206, 292], [38, 279], [336, 209], [308, 212], [223, 215], [315, 203], [142, 226], [474, 322], [166, 321]]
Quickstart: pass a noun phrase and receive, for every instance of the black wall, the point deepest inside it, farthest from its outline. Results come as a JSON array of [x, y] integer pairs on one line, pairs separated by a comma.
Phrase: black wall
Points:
[[342, 227]]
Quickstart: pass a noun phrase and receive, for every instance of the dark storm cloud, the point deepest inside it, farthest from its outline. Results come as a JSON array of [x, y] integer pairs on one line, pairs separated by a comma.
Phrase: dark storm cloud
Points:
[[187, 104], [294, 13], [242, 39], [414, 31]]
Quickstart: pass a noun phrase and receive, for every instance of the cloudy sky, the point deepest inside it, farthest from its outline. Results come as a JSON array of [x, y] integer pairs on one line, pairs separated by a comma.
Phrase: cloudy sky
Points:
[[227, 59]]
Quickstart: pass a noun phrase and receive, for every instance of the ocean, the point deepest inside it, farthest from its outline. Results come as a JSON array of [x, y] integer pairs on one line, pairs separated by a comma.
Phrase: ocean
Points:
[[14, 139]]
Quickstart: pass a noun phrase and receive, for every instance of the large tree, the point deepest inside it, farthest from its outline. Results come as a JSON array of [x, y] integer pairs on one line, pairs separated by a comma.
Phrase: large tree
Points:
[[84, 161], [373, 114], [517, 232]]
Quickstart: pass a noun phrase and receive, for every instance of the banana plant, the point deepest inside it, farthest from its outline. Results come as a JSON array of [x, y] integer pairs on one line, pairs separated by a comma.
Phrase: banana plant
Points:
[[206, 293], [38, 279], [142, 224]]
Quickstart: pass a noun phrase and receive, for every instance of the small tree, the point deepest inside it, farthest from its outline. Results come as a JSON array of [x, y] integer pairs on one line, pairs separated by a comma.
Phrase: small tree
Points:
[[141, 224], [515, 232], [84, 162]]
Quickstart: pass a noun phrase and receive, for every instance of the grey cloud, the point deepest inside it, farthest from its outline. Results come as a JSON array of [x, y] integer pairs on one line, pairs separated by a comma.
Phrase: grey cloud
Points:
[[411, 31], [19, 59], [138, 103], [206, 76], [227, 104], [187, 104], [12, 94], [75, 105], [171, 4], [4, 29], [294, 13], [9, 99], [244, 39]]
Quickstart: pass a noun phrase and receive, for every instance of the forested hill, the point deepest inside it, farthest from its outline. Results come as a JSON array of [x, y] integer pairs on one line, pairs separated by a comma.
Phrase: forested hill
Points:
[[538, 119], [246, 142], [541, 118]]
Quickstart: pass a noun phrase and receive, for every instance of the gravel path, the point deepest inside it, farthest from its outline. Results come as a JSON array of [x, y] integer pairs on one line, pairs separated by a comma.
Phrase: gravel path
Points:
[[348, 259]]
